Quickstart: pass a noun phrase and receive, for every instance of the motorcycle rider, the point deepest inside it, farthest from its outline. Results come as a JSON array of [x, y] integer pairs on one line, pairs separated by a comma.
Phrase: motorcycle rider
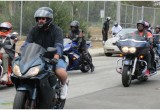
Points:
[[105, 29], [116, 28], [147, 27], [142, 32], [157, 38], [6, 38], [77, 35], [47, 34]]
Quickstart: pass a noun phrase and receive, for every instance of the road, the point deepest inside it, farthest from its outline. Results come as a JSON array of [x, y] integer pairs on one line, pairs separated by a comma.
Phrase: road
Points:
[[102, 89]]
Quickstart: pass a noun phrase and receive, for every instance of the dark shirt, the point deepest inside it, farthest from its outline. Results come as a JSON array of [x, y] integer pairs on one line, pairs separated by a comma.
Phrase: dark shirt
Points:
[[156, 38], [106, 25], [52, 37]]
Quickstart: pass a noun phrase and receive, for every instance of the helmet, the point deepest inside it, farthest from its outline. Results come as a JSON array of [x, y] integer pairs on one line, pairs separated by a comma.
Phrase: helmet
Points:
[[146, 24], [157, 26], [116, 24], [74, 24], [141, 22], [45, 12], [5, 28], [108, 18]]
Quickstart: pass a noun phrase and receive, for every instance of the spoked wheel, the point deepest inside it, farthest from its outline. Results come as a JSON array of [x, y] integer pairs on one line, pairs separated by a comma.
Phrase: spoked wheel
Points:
[[21, 100], [126, 76]]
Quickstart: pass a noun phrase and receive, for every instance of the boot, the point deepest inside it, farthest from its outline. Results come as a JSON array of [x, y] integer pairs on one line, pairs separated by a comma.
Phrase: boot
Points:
[[92, 67]]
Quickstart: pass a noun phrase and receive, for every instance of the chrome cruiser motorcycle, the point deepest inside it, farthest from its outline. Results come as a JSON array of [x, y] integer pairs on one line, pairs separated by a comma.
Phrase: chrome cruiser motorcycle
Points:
[[37, 87], [133, 64]]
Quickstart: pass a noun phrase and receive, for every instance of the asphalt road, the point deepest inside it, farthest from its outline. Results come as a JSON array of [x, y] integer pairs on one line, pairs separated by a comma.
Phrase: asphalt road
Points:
[[102, 89]]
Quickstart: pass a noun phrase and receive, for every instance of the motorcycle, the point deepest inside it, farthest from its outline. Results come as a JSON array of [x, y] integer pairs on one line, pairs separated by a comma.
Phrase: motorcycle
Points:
[[37, 86], [73, 57], [133, 65]]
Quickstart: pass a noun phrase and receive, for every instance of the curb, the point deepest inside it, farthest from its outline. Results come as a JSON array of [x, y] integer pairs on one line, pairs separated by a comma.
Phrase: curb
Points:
[[96, 52]]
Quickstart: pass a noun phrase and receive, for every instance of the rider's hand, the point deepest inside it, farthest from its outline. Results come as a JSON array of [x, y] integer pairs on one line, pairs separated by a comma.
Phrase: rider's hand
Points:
[[56, 56]]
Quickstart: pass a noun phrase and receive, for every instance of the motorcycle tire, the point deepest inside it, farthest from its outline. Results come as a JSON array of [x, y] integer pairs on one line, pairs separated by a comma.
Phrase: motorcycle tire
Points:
[[126, 79], [20, 100], [60, 104], [85, 68]]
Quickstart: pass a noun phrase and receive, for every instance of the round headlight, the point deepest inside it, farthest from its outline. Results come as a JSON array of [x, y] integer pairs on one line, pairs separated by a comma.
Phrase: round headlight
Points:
[[125, 49], [16, 70], [132, 49]]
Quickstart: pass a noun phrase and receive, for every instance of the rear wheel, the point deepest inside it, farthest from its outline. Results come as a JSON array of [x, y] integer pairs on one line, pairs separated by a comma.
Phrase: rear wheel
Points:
[[126, 76], [85, 68], [20, 100]]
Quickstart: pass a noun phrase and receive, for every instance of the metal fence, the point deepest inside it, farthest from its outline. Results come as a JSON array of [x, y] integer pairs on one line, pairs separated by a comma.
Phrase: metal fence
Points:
[[85, 11]]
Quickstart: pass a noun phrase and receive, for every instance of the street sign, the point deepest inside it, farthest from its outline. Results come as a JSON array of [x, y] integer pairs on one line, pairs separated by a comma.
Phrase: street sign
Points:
[[102, 13]]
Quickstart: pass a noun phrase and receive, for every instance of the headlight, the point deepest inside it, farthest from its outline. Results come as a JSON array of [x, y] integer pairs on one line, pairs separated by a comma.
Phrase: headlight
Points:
[[132, 49], [125, 49], [16, 70], [128, 49], [32, 72]]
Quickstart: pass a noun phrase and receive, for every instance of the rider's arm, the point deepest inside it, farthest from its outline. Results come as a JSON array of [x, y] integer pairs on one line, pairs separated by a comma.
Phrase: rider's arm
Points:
[[58, 43], [150, 37]]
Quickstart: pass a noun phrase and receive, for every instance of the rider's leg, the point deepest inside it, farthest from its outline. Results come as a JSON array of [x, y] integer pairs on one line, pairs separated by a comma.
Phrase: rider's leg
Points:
[[62, 75], [5, 67]]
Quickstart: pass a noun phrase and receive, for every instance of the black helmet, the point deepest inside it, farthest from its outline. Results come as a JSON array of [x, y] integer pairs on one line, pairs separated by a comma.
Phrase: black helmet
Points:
[[74, 24], [45, 12], [141, 22]]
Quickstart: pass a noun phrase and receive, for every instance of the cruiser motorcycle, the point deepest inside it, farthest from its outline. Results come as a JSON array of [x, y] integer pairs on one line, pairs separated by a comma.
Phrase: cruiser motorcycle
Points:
[[133, 64]]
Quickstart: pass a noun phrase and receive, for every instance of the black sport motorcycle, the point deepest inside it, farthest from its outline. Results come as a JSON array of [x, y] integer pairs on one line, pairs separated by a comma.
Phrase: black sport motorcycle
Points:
[[133, 64], [37, 87]]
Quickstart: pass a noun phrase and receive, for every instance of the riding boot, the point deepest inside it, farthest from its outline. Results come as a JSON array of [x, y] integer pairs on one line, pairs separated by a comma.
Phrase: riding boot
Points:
[[88, 58]]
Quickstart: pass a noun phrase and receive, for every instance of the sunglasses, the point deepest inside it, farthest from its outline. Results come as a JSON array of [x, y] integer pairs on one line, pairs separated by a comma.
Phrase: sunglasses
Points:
[[3, 29], [41, 18]]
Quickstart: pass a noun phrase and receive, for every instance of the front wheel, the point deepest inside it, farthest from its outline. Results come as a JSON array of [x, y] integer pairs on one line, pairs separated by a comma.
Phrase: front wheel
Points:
[[126, 76], [20, 100]]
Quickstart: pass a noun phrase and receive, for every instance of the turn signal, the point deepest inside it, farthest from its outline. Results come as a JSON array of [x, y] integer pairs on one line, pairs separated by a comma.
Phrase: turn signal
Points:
[[121, 55], [141, 57], [74, 58]]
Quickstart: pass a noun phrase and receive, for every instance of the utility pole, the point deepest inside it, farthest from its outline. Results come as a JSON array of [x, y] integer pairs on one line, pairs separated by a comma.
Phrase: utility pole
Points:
[[118, 12], [21, 19], [87, 18]]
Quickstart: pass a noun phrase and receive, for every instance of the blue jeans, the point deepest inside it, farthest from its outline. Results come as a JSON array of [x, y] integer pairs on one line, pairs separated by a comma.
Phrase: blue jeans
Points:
[[61, 64]]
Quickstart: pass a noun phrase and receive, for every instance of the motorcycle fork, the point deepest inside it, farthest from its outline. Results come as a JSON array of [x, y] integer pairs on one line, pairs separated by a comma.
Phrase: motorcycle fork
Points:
[[33, 97]]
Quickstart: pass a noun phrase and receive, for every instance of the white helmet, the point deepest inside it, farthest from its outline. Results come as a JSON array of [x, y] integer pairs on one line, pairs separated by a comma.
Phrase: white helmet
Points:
[[108, 18]]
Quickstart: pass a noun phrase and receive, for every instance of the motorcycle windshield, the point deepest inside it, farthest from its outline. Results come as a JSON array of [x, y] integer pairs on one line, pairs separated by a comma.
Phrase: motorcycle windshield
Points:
[[31, 52], [67, 43], [132, 40], [30, 56]]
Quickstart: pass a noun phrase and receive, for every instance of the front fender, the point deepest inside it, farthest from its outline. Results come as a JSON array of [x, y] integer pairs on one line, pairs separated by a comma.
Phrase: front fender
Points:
[[128, 62]]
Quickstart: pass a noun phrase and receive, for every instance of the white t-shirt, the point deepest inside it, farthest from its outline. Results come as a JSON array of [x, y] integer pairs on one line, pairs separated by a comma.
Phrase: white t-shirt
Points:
[[116, 29]]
